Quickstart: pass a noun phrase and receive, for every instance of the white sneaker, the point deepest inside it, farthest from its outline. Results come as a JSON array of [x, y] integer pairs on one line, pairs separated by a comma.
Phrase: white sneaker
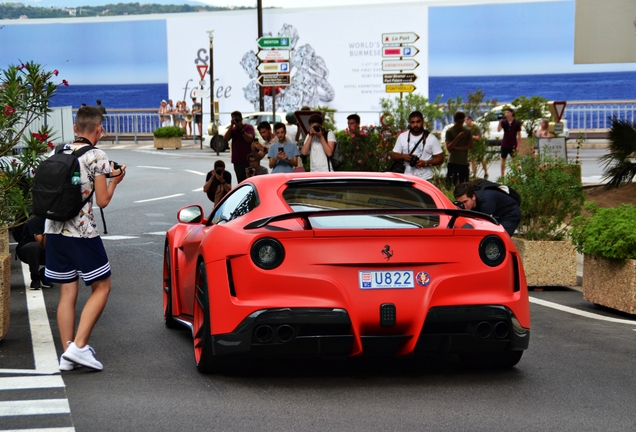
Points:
[[82, 356], [66, 365]]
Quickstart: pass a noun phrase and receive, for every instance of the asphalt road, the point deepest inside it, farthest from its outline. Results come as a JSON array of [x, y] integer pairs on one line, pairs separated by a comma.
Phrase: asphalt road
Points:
[[578, 374]]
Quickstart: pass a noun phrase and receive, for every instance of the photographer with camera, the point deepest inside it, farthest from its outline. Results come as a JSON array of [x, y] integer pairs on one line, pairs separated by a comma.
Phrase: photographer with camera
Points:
[[255, 167], [218, 182], [419, 149], [283, 156], [242, 136], [319, 144], [458, 141], [74, 248]]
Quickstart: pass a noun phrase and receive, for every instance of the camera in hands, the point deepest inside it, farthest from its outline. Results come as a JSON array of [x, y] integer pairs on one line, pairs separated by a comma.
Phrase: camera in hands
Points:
[[317, 128], [413, 161]]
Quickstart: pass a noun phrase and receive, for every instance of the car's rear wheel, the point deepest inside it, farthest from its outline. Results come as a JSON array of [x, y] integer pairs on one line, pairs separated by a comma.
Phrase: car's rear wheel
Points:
[[168, 319], [500, 360], [203, 355]]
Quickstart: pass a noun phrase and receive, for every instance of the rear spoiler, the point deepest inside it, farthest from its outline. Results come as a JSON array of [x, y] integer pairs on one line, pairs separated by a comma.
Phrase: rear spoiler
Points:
[[305, 215]]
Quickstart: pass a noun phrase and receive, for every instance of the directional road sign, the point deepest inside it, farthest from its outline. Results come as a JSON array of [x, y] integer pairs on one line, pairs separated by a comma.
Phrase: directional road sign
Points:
[[273, 55], [399, 78], [400, 88], [268, 68], [399, 65], [405, 51], [274, 42], [399, 38], [274, 80]]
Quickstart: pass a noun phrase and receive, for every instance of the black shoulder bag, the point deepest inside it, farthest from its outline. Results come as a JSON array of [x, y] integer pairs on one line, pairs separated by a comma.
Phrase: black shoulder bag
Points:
[[400, 166]]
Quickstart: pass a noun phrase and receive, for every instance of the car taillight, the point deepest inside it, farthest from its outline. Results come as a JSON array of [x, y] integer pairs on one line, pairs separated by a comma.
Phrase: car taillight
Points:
[[492, 251], [267, 253]]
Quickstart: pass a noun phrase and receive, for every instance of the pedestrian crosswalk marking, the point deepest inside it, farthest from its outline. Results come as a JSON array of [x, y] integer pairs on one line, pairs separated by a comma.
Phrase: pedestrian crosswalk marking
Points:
[[31, 382], [34, 407]]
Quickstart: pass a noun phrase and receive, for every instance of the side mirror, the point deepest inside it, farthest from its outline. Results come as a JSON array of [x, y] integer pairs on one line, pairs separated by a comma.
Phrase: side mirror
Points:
[[192, 214]]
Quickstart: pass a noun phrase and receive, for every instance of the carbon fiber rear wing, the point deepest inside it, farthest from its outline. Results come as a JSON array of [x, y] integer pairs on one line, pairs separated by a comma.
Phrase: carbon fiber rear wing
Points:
[[305, 215]]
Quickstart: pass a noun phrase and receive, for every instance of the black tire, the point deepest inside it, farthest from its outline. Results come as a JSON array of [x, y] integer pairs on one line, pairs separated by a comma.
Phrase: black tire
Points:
[[204, 357], [218, 144], [168, 319], [500, 360]]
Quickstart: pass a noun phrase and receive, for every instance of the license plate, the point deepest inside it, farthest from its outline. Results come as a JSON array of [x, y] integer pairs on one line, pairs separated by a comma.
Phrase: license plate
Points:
[[394, 279]]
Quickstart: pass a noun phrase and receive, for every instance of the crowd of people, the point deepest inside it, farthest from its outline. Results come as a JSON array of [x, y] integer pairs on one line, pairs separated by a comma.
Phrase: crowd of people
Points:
[[418, 149], [180, 115]]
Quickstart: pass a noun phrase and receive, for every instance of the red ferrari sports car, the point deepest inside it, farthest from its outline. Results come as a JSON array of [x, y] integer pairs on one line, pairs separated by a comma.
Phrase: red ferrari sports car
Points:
[[344, 264]]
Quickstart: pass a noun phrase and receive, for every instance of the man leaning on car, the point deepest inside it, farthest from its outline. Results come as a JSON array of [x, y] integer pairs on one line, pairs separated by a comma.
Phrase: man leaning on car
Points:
[[498, 204]]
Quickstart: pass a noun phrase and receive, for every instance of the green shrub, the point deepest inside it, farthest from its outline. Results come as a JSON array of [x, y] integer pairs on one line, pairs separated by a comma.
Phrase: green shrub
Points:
[[168, 132], [551, 193], [609, 233], [364, 150]]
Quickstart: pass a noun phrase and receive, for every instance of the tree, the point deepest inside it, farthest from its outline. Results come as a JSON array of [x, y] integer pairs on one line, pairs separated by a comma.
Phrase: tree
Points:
[[400, 108], [618, 164], [529, 111], [25, 91]]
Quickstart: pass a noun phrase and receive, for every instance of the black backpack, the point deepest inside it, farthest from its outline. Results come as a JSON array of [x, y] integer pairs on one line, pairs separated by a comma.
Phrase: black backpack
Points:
[[54, 196], [337, 158], [485, 184]]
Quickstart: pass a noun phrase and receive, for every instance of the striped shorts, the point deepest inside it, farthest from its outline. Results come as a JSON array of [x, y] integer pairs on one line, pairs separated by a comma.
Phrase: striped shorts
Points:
[[68, 258]]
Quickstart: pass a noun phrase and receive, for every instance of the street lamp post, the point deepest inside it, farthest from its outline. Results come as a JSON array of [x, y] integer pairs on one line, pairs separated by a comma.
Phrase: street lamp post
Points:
[[212, 129], [259, 7]]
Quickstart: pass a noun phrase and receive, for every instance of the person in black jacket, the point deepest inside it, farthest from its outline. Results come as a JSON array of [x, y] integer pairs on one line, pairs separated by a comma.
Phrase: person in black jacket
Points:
[[496, 203], [30, 250]]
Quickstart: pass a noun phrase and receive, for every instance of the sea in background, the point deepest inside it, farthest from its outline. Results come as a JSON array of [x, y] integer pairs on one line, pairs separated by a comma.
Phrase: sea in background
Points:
[[504, 88]]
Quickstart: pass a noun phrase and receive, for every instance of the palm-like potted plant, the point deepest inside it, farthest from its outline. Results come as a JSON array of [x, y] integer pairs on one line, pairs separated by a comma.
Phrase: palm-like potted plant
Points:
[[619, 165], [608, 241]]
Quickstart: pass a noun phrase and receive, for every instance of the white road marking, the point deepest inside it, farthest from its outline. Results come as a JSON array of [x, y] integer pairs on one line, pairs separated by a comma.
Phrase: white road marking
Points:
[[198, 190], [157, 233], [34, 407], [31, 382], [159, 198], [115, 237], [580, 312], [60, 429], [153, 167], [195, 172], [44, 352]]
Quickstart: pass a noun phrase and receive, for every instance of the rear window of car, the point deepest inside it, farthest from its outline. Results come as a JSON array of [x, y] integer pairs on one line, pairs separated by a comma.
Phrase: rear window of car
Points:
[[312, 196]]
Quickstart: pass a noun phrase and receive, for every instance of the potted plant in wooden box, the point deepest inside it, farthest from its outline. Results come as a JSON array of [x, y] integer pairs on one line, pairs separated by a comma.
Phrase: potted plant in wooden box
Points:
[[551, 193], [608, 241], [168, 137]]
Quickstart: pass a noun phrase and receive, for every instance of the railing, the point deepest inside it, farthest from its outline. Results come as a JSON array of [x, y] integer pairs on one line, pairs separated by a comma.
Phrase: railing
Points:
[[582, 117], [589, 116]]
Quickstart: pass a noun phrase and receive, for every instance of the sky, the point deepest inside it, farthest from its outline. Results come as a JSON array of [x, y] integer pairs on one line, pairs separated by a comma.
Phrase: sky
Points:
[[472, 39]]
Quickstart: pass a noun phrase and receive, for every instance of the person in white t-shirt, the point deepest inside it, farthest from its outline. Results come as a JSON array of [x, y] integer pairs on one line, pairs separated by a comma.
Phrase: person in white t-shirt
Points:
[[428, 151], [318, 145]]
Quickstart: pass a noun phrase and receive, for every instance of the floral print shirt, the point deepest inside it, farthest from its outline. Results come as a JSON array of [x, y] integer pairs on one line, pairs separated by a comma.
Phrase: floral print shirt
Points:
[[92, 164]]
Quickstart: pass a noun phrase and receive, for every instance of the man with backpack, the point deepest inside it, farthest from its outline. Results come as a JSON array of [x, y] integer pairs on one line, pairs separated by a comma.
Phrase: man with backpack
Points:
[[74, 247], [492, 199]]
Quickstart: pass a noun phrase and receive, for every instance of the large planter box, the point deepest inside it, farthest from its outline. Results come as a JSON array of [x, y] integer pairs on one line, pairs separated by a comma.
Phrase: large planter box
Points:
[[171, 143], [5, 283], [547, 263], [610, 283]]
